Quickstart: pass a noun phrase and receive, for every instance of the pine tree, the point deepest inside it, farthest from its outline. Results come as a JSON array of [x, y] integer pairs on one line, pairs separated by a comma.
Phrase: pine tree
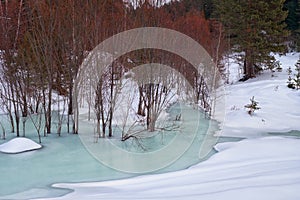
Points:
[[255, 28], [292, 19], [297, 75], [253, 106], [296, 32], [290, 83]]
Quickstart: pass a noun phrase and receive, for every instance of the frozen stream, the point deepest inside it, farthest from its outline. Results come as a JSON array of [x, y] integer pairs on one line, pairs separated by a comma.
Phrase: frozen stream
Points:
[[65, 159]]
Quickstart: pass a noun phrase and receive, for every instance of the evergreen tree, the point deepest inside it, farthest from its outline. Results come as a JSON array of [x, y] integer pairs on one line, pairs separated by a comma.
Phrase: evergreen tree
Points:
[[255, 28], [290, 83], [296, 32], [253, 106], [205, 6], [293, 21], [297, 75]]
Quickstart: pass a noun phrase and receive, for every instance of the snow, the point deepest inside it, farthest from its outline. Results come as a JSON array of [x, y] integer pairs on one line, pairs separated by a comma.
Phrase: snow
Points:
[[236, 172], [19, 145], [258, 167], [280, 105]]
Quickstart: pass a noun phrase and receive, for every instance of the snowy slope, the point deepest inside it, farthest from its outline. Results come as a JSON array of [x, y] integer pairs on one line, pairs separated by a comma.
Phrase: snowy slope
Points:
[[280, 106]]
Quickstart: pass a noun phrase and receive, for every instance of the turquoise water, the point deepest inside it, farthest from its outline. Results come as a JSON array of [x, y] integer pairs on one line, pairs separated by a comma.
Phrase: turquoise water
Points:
[[65, 159], [289, 134], [61, 159]]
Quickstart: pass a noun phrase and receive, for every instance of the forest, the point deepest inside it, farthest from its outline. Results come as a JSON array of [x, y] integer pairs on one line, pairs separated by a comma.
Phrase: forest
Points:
[[43, 43]]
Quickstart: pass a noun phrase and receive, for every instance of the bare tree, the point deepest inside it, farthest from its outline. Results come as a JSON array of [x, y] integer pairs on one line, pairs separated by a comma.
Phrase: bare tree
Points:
[[3, 131], [6, 103], [60, 113], [157, 93], [38, 122], [106, 94]]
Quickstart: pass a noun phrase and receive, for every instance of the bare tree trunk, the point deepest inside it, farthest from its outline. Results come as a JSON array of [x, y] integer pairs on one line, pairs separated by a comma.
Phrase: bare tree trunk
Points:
[[60, 116], [12, 124], [19, 23], [141, 106], [3, 131], [24, 107], [152, 123], [37, 124], [110, 133], [45, 111], [110, 114], [7, 103], [48, 113], [248, 64], [17, 123], [16, 109], [24, 125], [102, 114]]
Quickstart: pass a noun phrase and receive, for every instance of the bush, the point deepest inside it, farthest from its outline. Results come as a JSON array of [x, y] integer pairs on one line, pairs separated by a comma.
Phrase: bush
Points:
[[297, 75], [253, 106], [290, 82]]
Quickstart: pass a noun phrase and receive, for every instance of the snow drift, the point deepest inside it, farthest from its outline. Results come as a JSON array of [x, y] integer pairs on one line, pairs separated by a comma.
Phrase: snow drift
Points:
[[263, 168], [19, 145]]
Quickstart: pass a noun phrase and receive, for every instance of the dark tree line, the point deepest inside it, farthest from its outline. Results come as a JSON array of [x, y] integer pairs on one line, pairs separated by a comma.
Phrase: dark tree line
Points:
[[255, 29], [293, 21]]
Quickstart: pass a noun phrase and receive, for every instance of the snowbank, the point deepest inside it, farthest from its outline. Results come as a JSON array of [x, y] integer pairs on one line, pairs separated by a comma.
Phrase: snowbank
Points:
[[280, 106], [265, 168], [19, 145]]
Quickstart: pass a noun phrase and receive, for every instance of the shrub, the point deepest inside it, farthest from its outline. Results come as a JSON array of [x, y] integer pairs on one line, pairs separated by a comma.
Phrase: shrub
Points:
[[253, 106]]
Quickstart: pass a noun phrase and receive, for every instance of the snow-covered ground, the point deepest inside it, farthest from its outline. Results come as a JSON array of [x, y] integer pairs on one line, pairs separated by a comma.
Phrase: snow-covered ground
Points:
[[19, 145], [267, 168], [255, 168], [280, 106]]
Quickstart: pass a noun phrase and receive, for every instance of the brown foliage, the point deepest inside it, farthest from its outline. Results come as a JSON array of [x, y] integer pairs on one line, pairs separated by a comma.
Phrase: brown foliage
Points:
[[49, 39]]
